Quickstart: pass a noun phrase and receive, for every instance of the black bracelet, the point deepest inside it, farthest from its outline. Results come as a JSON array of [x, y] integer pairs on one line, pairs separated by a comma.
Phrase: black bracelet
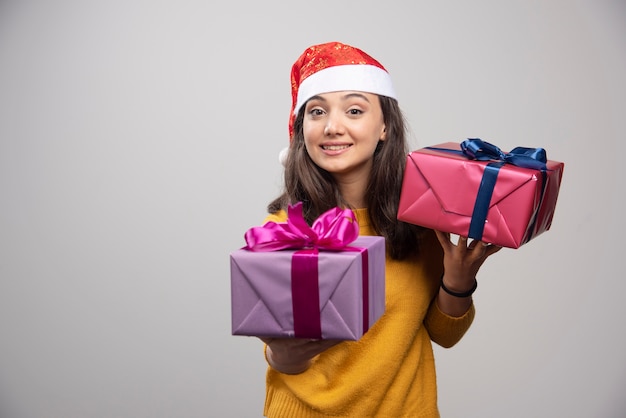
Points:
[[460, 294]]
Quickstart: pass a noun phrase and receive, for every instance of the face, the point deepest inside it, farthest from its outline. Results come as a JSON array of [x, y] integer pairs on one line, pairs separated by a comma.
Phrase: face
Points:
[[341, 132]]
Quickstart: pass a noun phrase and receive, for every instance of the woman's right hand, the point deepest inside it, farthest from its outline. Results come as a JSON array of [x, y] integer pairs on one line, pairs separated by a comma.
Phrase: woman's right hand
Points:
[[294, 355]]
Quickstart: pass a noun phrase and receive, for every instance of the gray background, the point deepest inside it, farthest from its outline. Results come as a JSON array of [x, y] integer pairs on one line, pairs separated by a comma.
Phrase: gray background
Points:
[[139, 140]]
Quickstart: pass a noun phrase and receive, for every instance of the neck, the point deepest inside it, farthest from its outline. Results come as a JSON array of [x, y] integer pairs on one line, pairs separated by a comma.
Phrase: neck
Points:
[[353, 191]]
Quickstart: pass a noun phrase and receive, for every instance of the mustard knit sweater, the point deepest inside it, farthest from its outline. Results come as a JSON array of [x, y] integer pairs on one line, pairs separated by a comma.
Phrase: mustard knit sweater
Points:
[[390, 371]]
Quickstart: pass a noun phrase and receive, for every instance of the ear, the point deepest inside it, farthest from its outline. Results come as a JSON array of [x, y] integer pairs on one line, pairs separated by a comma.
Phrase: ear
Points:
[[383, 133]]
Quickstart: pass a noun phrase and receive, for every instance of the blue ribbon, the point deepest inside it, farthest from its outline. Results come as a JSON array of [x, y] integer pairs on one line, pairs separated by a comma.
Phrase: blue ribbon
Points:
[[477, 149], [483, 198], [480, 150]]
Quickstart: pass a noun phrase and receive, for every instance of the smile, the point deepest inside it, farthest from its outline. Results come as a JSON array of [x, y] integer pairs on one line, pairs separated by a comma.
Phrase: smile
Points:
[[335, 147]]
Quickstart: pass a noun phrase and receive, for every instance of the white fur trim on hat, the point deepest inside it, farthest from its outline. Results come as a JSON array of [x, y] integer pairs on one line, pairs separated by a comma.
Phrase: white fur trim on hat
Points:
[[357, 77]]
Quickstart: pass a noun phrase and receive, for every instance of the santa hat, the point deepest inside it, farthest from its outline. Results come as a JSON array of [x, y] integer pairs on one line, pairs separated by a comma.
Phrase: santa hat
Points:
[[334, 66]]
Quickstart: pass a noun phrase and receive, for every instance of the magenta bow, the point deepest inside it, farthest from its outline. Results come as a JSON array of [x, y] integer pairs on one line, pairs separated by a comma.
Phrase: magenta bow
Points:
[[332, 230]]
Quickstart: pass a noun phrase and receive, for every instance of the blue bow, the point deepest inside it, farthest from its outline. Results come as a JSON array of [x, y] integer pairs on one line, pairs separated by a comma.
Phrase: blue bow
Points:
[[480, 150]]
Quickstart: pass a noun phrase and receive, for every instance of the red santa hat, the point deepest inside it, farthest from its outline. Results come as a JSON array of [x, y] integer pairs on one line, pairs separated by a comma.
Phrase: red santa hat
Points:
[[334, 66]]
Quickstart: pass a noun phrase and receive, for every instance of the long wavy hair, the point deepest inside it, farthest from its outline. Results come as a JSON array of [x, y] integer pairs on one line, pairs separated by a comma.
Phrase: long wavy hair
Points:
[[317, 190]]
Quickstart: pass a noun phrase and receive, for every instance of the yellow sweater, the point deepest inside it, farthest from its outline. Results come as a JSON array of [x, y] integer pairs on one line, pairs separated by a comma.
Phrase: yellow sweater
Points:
[[390, 371]]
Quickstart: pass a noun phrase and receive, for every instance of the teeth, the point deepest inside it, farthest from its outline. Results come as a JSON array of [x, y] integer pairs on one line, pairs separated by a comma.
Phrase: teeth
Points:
[[335, 147]]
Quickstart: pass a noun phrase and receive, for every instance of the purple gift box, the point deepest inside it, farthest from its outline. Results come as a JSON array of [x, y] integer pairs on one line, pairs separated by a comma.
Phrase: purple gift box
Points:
[[327, 282]]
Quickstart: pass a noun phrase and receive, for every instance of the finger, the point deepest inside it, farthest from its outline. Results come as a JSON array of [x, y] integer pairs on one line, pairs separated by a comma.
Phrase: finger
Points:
[[444, 239], [492, 249], [485, 249], [462, 242], [305, 342]]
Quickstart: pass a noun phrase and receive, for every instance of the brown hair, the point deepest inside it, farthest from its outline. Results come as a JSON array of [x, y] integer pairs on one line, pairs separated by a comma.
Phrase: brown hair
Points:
[[316, 188]]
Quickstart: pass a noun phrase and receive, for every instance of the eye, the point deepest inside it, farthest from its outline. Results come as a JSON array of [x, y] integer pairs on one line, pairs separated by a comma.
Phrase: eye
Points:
[[354, 111], [316, 111]]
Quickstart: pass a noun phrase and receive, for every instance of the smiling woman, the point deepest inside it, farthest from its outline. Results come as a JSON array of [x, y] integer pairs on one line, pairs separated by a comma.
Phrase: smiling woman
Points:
[[342, 130], [348, 149]]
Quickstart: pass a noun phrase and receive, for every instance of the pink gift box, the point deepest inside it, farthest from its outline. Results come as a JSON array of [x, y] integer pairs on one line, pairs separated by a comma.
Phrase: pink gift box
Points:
[[443, 189], [350, 285]]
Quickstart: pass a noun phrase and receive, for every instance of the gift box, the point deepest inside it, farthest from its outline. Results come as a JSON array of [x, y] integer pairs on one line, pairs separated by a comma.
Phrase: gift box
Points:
[[476, 190], [296, 281]]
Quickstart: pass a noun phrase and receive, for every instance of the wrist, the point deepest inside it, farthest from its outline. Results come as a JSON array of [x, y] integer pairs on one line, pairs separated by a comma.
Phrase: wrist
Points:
[[460, 293]]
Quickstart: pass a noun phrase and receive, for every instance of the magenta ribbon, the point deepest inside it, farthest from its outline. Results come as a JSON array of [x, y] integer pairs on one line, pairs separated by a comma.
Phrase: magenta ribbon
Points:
[[334, 230]]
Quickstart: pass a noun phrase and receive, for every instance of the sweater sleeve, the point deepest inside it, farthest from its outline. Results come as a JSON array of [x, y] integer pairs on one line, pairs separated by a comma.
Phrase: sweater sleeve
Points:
[[444, 330], [447, 330]]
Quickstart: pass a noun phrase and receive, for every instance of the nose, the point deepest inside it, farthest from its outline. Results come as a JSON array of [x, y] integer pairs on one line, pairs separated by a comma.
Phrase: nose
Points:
[[333, 125]]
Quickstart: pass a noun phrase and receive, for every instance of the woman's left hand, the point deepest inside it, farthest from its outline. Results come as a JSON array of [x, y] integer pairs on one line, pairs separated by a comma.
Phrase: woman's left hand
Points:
[[461, 262]]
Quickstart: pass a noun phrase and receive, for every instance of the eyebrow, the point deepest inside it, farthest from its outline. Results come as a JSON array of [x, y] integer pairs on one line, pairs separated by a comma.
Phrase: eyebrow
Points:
[[344, 97]]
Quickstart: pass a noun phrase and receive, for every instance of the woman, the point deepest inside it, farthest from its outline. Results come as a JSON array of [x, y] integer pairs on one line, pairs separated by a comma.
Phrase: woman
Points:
[[348, 148]]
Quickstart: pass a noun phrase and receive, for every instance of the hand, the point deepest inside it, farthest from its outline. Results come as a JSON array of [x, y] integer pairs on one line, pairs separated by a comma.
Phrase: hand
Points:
[[461, 261], [294, 355]]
